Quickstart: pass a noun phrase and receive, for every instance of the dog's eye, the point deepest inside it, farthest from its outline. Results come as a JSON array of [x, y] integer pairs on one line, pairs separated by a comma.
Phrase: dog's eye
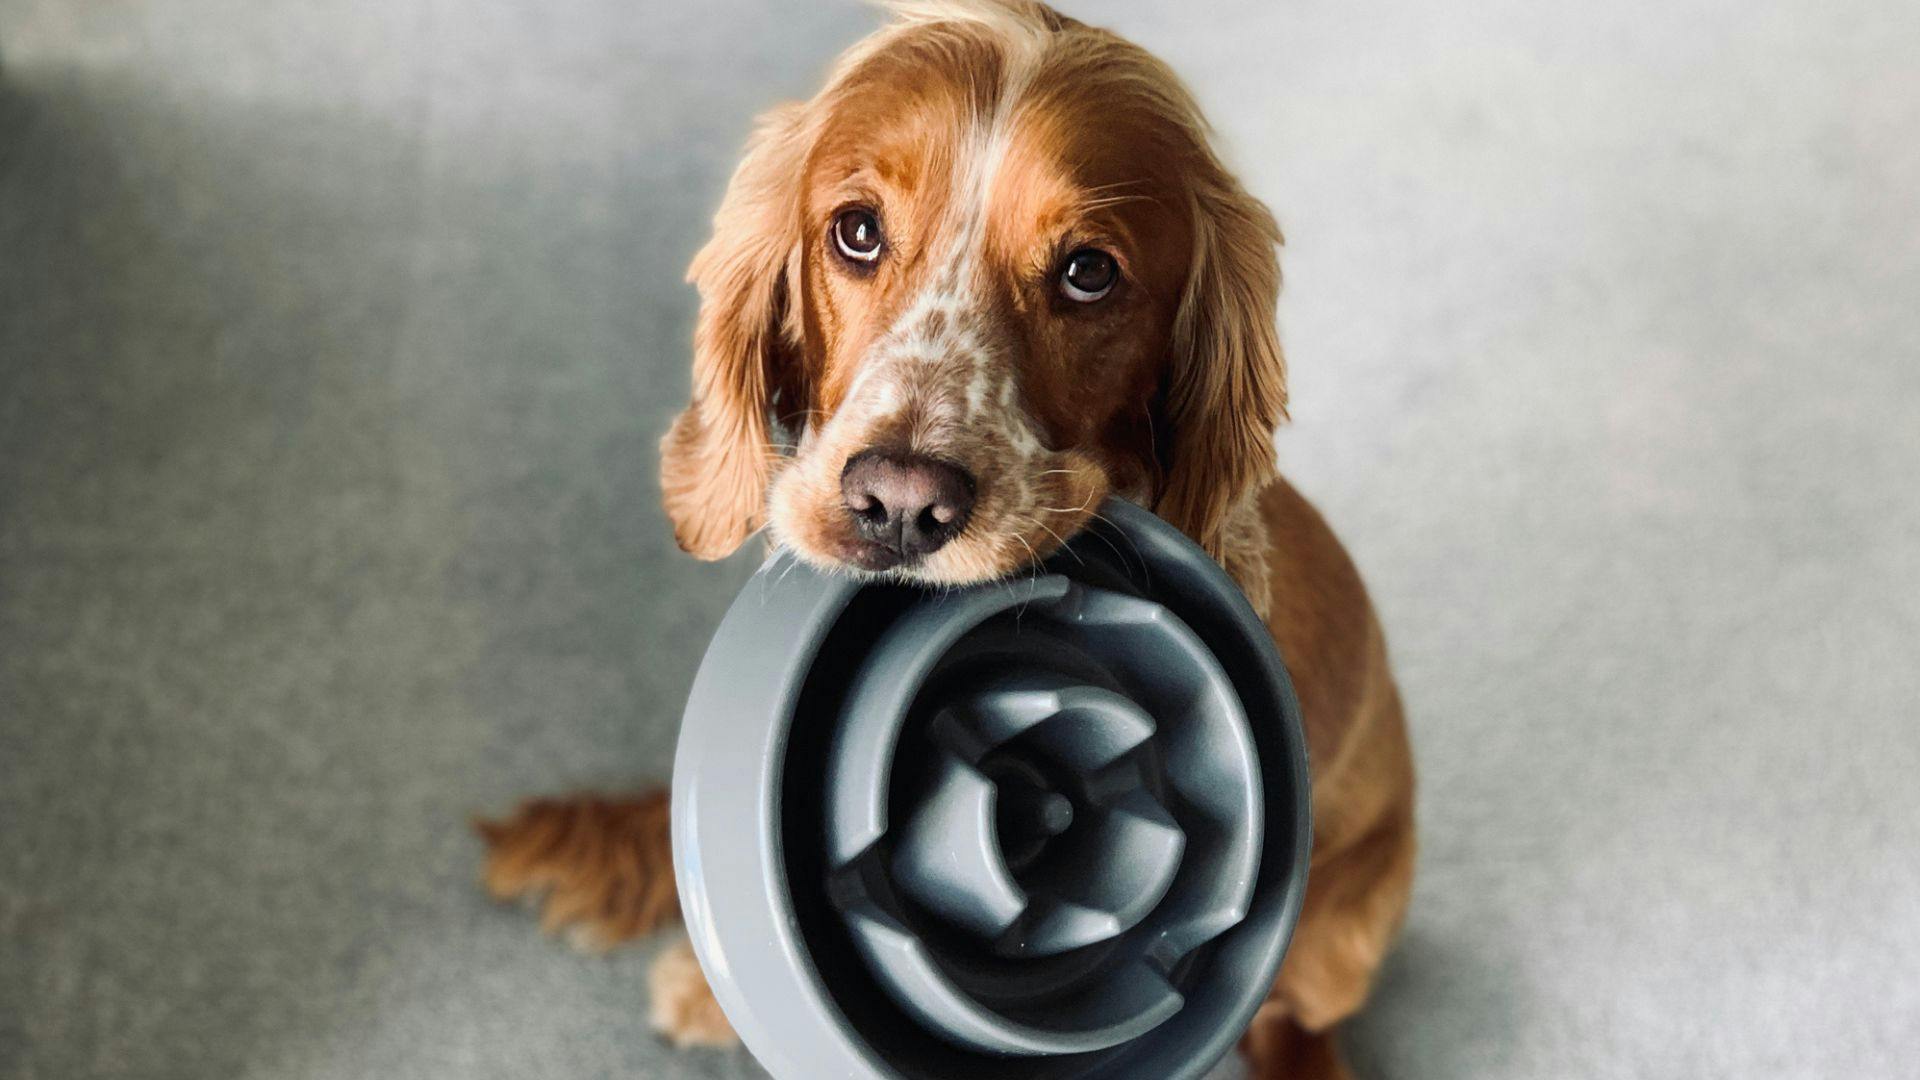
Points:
[[857, 234], [1088, 275]]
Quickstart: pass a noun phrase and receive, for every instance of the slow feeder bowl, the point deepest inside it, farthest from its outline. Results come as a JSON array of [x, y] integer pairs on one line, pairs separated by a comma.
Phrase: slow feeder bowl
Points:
[[1042, 829]]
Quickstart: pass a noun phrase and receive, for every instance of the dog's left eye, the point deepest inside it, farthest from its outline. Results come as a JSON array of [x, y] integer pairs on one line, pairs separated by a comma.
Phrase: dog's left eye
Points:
[[1088, 274]]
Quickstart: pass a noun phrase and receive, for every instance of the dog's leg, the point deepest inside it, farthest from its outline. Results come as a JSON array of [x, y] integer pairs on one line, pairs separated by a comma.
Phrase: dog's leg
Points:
[[603, 869], [603, 866], [1277, 1048], [1356, 897], [683, 1007]]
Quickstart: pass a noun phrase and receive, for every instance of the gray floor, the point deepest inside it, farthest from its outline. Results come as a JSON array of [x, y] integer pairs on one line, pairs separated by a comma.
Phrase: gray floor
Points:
[[335, 338]]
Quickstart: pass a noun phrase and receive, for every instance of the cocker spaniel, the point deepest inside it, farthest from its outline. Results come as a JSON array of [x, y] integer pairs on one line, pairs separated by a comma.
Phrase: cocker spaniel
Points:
[[991, 273]]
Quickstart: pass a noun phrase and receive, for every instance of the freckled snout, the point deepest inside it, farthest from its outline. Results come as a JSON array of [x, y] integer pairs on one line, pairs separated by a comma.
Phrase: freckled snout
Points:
[[904, 505]]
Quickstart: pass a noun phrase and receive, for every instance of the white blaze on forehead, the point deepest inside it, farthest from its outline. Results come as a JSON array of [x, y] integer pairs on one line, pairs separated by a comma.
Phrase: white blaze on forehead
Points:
[[978, 168], [955, 287]]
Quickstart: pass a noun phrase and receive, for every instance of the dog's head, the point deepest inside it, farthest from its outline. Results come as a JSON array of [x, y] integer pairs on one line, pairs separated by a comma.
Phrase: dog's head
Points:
[[990, 273]]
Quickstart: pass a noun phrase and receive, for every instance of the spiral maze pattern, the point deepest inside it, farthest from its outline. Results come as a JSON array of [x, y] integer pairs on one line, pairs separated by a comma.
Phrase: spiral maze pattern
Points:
[[1061, 777], [1049, 829]]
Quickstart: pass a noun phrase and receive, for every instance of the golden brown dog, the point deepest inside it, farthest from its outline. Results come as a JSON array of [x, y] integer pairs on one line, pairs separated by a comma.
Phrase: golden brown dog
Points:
[[990, 274]]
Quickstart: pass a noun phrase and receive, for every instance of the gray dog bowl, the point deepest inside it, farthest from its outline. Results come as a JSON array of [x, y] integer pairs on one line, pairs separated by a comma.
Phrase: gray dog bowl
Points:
[[1042, 829]]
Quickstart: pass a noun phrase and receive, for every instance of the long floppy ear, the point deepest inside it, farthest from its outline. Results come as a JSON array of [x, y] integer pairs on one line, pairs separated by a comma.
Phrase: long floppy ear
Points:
[[716, 460], [1226, 388]]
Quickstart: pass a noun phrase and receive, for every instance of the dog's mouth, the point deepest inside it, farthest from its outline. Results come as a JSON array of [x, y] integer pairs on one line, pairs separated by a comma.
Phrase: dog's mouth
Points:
[[901, 522]]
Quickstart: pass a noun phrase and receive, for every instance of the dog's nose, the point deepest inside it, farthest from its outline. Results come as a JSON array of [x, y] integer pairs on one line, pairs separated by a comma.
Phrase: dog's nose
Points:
[[909, 504]]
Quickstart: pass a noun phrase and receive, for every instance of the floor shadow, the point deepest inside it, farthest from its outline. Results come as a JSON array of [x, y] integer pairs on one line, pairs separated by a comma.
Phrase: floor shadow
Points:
[[1439, 1010]]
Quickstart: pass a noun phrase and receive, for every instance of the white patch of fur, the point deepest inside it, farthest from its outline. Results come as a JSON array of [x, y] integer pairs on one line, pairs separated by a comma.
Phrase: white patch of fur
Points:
[[977, 392]]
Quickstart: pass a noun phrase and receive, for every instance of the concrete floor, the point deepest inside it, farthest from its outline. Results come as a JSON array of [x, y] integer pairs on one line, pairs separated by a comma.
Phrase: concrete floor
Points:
[[335, 339]]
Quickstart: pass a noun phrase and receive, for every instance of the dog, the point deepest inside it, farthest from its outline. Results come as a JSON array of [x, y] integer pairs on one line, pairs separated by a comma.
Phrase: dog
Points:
[[990, 274]]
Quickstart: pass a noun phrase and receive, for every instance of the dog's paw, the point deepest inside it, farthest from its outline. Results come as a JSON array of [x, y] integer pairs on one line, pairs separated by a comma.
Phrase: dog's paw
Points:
[[1276, 1047], [683, 1008], [604, 866]]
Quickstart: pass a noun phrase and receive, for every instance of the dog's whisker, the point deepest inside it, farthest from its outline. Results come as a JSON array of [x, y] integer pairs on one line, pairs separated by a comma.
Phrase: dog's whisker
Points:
[[1056, 536]]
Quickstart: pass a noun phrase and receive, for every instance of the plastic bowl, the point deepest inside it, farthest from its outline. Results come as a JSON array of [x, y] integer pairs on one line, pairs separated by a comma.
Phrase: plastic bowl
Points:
[[1046, 828]]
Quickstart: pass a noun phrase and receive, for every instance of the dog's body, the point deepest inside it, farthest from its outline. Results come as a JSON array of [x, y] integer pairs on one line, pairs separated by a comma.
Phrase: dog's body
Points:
[[990, 274]]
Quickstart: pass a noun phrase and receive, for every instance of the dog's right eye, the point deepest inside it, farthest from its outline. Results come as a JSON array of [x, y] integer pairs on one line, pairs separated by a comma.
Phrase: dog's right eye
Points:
[[857, 234]]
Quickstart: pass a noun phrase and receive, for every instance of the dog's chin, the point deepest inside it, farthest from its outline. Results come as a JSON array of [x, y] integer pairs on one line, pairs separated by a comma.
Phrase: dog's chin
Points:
[[980, 554], [960, 564]]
